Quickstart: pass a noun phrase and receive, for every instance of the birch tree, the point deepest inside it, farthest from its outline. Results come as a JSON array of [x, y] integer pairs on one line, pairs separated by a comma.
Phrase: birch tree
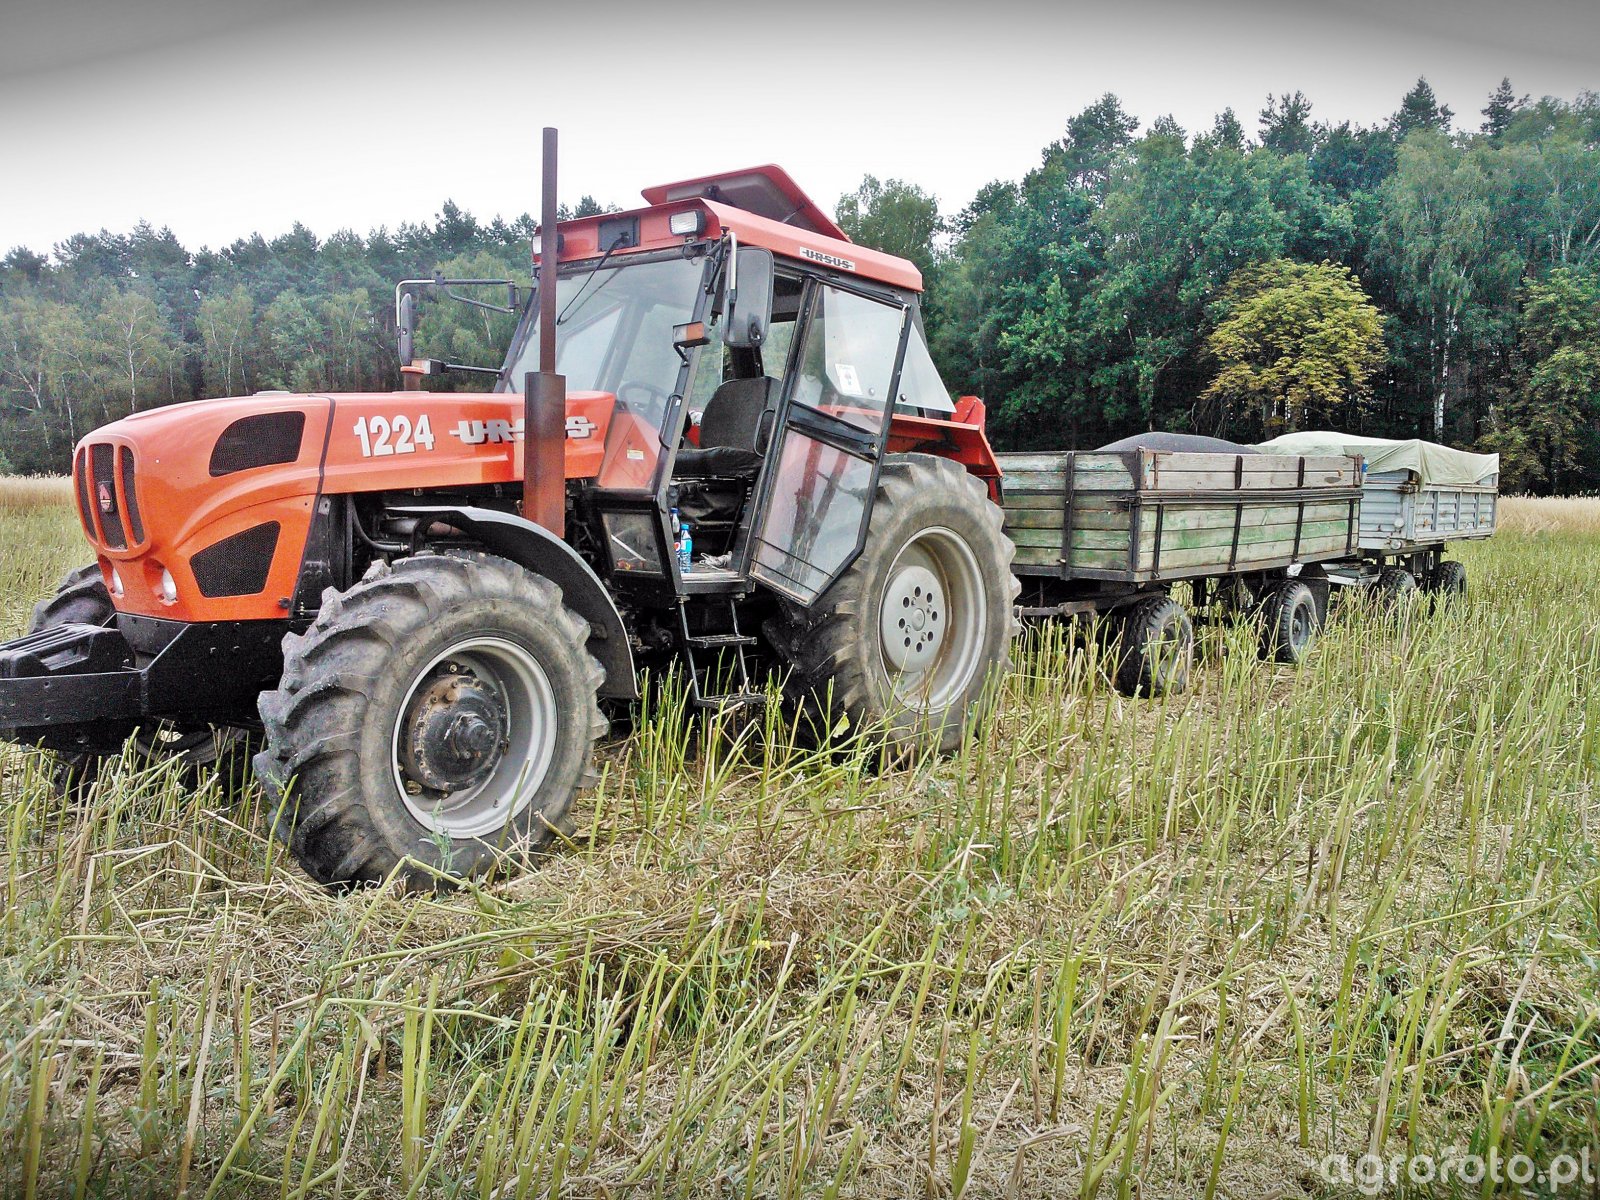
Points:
[[1435, 235]]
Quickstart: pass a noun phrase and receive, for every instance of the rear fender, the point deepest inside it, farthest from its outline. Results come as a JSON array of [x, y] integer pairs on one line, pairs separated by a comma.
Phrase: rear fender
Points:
[[541, 552], [961, 438]]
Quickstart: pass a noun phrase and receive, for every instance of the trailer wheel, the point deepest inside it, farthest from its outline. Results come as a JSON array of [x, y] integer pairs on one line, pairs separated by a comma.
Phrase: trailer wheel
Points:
[[1289, 622], [440, 712], [1448, 580], [1155, 648], [904, 641], [82, 599], [1394, 585]]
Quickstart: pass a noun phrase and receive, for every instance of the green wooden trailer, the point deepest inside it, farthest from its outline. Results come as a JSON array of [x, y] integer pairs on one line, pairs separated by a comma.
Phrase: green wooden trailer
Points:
[[1109, 532]]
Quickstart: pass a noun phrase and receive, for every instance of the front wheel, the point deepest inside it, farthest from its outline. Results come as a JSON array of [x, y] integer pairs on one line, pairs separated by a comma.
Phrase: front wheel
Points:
[[1395, 586], [439, 714], [904, 643], [82, 599]]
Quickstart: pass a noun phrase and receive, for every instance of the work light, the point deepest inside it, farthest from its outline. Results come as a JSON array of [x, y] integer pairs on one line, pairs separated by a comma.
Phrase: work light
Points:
[[686, 224]]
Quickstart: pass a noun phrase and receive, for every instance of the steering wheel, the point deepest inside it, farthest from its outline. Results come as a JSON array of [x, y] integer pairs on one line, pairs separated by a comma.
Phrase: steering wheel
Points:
[[650, 390]]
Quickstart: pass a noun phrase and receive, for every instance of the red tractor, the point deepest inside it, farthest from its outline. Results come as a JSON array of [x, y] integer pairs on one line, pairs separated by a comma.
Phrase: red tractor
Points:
[[740, 459]]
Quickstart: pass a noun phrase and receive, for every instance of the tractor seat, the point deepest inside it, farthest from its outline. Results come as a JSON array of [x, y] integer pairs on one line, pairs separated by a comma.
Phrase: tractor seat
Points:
[[734, 429]]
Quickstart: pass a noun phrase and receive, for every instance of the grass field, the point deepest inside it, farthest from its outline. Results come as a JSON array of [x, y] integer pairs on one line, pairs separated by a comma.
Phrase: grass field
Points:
[[1170, 948]]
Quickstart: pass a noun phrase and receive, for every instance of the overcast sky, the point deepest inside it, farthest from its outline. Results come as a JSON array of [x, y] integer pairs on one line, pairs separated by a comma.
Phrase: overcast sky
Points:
[[223, 117]]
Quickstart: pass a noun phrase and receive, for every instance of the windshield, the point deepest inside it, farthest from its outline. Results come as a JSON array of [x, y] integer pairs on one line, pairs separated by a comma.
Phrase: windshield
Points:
[[614, 333]]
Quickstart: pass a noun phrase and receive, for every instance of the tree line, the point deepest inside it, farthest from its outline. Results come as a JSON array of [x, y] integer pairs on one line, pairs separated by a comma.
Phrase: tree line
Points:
[[1405, 279], [110, 324], [1411, 278]]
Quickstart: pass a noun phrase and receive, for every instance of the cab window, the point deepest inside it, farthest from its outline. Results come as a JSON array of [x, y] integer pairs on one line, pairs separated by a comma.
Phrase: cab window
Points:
[[847, 360], [921, 390]]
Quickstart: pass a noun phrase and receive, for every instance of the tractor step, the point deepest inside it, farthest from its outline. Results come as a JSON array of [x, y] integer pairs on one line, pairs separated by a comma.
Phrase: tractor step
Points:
[[702, 685], [712, 640]]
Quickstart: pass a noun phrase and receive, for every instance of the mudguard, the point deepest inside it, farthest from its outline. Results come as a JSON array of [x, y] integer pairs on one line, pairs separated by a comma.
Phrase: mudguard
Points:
[[540, 551]]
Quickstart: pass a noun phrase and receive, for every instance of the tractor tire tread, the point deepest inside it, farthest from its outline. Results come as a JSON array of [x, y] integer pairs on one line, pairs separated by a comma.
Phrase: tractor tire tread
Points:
[[311, 768], [80, 598], [826, 681]]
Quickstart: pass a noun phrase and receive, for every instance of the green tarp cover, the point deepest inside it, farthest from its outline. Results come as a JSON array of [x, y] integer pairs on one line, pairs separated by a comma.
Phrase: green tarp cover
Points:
[[1430, 462]]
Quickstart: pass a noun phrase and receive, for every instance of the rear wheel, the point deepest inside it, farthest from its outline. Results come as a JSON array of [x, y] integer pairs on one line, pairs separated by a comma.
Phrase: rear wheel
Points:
[[1448, 580], [443, 711], [1394, 585], [1289, 622], [906, 639], [82, 599], [1155, 648]]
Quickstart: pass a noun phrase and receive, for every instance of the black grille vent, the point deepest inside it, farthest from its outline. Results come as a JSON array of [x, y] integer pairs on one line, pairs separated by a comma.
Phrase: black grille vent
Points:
[[85, 510], [105, 496], [135, 524], [237, 565], [262, 440]]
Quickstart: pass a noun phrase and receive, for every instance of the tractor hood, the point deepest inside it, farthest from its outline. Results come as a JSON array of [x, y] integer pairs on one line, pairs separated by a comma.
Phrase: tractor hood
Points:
[[239, 478]]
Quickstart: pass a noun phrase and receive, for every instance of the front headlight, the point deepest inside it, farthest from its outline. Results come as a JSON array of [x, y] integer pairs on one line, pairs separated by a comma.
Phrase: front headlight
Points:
[[169, 587]]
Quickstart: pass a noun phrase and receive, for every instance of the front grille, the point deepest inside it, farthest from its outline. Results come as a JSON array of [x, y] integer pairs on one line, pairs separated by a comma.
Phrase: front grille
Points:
[[103, 473], [80, 472], [129, 495], [237, 565]]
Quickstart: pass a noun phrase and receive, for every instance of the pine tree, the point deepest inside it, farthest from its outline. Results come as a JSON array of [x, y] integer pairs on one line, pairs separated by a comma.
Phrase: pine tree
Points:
[[1226, 131], [1286, 124], [1502, 107], [1420, 109]]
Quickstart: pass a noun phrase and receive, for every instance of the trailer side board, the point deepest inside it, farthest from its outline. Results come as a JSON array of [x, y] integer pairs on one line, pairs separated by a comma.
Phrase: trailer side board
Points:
[[1144, 516]]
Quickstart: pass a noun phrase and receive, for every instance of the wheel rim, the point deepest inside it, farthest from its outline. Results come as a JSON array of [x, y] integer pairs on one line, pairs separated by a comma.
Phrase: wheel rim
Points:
[[1300, 626], [474, 737], [931, 620], [1167, 655]]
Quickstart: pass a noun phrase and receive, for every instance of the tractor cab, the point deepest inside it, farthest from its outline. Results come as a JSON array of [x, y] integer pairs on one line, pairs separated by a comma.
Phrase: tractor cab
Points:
[[755, 363]]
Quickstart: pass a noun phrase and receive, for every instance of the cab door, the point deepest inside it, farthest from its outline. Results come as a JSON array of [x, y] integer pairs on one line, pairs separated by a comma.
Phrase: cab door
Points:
[[822, 465]]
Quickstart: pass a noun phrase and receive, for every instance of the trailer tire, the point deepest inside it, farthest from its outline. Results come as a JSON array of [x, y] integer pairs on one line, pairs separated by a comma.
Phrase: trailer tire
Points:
[[1155, 650], [1394, 585], [1289, 623], [1448, 580], [931, 521], [82, 599], [399, 739]]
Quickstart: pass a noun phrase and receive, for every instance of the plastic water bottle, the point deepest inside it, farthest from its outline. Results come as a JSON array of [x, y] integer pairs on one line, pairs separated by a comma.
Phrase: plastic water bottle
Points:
[[685, 549]]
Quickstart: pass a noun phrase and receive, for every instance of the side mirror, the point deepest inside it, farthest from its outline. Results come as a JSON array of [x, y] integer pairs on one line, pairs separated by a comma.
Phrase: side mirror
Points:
[[407, 321], [749, 307]]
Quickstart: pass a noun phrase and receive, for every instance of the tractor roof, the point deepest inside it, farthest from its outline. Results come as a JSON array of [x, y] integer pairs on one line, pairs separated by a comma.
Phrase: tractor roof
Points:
[[761, 206], [765, 191]]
